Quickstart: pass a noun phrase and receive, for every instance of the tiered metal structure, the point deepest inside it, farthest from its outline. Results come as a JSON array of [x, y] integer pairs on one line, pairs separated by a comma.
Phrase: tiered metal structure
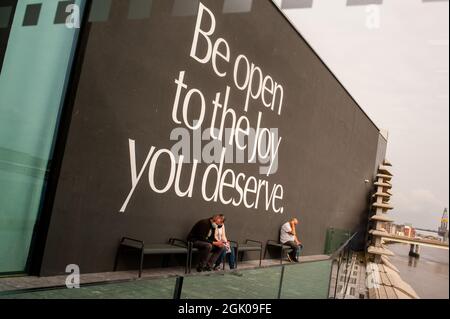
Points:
[[382, 277], [380, 206]]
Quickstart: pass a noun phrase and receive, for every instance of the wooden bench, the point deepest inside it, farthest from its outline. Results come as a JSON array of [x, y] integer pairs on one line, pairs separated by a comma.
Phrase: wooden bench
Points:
[[174, 247]]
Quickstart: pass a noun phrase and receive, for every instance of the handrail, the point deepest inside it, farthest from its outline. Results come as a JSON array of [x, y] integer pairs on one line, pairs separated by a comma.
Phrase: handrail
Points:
[[335, 255], [174, 241], [343, 246], [133, 240]]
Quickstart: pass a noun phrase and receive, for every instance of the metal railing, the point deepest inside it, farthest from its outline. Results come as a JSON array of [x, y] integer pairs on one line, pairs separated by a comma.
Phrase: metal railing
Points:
[[307, 279], [341, 259], [294, 281]]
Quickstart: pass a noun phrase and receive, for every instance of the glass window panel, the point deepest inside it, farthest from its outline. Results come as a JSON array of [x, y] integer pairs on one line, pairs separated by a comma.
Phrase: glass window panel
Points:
[[260, 283], [32, 86], [307, 280]]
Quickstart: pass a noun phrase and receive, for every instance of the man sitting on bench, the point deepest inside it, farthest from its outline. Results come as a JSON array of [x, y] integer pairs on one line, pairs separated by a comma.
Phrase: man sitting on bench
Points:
[[202, 237], [220, 235], [288, 236]]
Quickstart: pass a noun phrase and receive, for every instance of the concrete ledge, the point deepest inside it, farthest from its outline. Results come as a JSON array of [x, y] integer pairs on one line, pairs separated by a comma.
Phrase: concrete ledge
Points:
[[379, 251], [381, 218]]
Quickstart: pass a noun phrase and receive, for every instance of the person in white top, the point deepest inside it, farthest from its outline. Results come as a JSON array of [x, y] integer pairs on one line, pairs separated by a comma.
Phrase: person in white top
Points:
[[221, 236], [288, 236]]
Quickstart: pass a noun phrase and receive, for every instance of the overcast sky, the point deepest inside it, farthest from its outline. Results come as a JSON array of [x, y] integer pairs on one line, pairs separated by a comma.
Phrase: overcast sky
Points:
[[397, 70]]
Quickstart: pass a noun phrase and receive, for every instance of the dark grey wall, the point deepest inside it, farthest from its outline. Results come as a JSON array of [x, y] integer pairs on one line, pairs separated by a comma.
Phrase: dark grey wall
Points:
[[381, 153], [126, 90]]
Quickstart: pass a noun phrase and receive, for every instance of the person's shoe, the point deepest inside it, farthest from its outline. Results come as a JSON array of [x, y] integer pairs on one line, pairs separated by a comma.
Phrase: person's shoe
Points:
[[199, 268], [207, 268], [289, 257], [296, 260], [216, 268]]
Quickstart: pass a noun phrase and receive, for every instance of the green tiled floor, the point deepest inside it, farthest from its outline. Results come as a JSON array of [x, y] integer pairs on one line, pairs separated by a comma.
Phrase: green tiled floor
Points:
[[305, 280], [141, 289], [253, 284]]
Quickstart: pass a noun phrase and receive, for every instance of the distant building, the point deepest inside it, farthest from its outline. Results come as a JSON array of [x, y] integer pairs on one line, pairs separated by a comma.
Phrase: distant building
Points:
[[409, 231], [443, 229], [391, 228], [399, 230]]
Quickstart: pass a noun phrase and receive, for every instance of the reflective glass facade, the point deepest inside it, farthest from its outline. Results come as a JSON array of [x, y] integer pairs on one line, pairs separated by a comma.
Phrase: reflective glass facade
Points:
[[38, 50]]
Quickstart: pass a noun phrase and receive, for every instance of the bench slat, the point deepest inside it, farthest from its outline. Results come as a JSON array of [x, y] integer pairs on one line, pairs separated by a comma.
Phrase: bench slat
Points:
[[155, 249], [243, 247]]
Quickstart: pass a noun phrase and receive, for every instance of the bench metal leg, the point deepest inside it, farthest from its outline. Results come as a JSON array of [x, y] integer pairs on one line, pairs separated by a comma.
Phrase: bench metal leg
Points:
[[141, 264], [224, 262], [190, 246], [190, 263], [265, 250], [281, 255], [116, 260], [188, 258], [260, 257]]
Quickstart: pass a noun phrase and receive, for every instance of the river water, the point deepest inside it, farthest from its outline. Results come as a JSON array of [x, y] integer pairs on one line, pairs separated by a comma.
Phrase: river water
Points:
[[428, 275]]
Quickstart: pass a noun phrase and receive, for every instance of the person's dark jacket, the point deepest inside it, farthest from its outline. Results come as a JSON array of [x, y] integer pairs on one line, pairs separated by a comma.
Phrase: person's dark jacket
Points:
[[201, 230]]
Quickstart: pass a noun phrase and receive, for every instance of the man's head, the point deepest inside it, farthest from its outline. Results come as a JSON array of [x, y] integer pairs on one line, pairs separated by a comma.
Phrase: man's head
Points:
[[217, 219], [294, 221]]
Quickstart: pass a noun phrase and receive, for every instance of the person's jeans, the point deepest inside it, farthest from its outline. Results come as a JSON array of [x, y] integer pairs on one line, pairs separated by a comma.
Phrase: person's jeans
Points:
[[296, 249], [231, 258], [205, 249]]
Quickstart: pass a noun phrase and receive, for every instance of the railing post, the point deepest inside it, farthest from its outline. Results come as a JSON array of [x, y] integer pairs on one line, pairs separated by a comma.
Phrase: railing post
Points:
[[281, 282], [339, 262], [178, 288]]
